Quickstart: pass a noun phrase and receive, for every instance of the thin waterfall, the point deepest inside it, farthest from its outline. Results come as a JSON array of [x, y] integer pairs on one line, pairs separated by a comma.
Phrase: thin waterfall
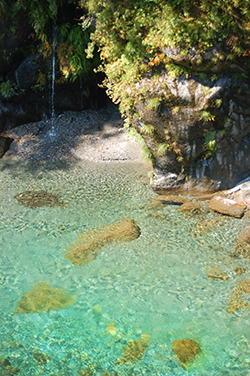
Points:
[[81, 94], [52, 131]]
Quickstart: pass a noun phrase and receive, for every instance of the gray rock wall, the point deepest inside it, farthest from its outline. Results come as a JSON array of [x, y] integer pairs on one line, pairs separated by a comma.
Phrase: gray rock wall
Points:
[[207, 123]]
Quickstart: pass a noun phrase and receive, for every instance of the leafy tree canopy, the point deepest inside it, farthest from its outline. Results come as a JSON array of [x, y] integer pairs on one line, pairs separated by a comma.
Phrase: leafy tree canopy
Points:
[[131, 34], [57, 21]]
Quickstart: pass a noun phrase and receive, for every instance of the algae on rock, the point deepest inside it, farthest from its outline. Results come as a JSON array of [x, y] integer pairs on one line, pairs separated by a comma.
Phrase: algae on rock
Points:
[[86, 247], [44, 298], [135, 349], [186, 350]]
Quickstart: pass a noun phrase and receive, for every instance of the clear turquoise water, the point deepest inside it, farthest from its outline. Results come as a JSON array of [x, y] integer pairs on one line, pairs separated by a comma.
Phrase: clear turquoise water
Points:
[[156, 284]]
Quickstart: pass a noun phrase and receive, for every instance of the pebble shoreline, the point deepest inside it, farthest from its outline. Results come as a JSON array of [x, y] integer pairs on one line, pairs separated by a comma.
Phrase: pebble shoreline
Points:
[[87, 135]]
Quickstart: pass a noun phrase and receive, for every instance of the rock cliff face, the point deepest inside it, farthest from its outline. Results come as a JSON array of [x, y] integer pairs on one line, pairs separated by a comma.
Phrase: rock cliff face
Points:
[[197, 125]]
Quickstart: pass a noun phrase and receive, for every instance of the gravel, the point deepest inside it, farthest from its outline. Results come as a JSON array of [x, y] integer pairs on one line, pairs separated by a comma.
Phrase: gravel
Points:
[[87, 135]]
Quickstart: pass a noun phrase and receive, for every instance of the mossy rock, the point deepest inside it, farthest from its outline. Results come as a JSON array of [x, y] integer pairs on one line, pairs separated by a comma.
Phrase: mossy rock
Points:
[[134, 350], [37, 199], [186, 350], [88, 244], [43, 298]]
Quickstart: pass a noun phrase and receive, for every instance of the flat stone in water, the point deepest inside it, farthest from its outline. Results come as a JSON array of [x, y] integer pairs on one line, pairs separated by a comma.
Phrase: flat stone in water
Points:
[[88, 244], [37, 199], [227, 206], [43, 298], [214, 271]]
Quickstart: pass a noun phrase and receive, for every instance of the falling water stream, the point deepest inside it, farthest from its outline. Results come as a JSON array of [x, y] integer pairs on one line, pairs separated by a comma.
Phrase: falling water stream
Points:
[[152, 287], [52, 131]]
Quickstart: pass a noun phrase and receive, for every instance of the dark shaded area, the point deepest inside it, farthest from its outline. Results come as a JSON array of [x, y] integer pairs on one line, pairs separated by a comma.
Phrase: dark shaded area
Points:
[[4, 145]]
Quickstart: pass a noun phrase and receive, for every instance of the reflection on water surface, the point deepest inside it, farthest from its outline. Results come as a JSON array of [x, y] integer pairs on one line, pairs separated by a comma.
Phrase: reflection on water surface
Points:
[[137, 303]]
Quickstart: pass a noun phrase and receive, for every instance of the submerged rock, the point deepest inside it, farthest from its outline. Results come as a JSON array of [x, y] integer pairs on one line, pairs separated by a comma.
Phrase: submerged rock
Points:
[[37, 199], [241, 250], [236, 302], [111, 329], [186, 350], [191, 208], [240, 271], [214, 271], [8, 368], [134, 350], [227, 206], [162, 200], [210, 225], [43, 298], [40, 358], [242, 247], [88, 244], [85, 372], [244, 236]]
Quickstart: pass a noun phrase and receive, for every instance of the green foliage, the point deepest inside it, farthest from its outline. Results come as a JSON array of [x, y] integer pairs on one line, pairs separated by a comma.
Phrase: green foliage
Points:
[[131, 34], [146, 153], [52, 24], [148, 130], [7, 89], [154, 103], [162, 148], [210, 143], [71, 52], [206, 116]]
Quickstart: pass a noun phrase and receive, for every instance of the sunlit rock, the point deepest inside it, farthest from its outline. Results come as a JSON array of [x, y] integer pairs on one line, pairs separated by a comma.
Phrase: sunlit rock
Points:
[[236, 298], [111, 329], [37, 199], [43, 298], [186, 350], [191, 208], [227, 206], [88, 244], [134, 350], [214, 271]]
